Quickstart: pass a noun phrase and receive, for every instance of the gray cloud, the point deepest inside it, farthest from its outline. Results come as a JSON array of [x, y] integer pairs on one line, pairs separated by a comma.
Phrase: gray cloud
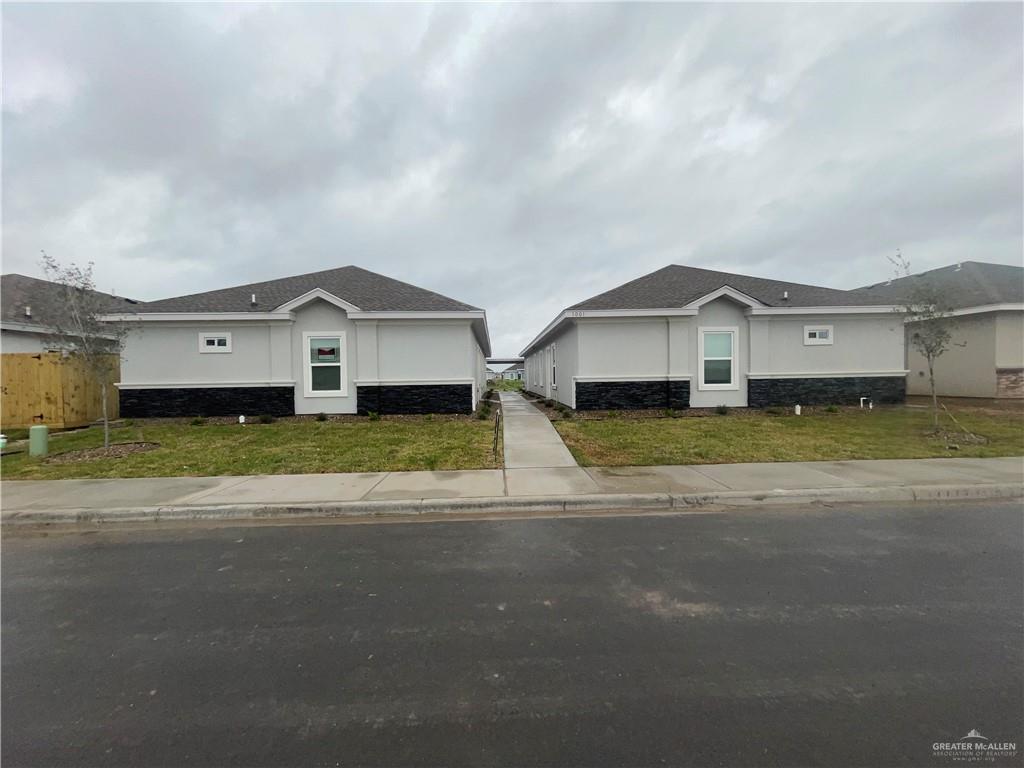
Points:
[[519, 157]]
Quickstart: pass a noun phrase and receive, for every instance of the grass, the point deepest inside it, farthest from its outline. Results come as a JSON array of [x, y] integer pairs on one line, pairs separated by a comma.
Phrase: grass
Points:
[[284, 447], [753, 436], [501, 385]]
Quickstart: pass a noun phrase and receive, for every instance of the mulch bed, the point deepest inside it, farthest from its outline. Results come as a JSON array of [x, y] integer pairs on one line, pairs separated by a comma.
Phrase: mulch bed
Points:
[[116, 451], [334, 418]]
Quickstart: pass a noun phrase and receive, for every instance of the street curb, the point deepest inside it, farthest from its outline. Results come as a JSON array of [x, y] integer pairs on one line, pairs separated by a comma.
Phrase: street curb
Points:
[[515, 504]]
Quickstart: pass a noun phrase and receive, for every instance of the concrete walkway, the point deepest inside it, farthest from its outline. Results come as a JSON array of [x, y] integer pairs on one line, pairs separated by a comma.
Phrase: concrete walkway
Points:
[[536, 459], [525, 487]]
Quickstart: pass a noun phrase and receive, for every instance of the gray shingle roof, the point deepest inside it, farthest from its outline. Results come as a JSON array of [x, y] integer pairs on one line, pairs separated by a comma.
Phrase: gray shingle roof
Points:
[[44, 297], [676, 286], [367, 290], [971, 284]]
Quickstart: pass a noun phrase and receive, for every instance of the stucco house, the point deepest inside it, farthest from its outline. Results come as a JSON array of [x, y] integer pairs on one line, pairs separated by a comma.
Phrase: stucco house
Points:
[[515, 373], [344, 340], [30, 306], [683, 336], [986, 356]]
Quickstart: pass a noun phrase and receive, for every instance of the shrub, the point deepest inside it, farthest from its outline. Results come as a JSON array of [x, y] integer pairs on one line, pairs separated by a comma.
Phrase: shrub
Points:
[[321, 416], [832, 409], [373, 415], [129, 422], [198, 421], [266, 418], [670, 413], [482, 414], [566, 413], [428, 417], [721, 410], [549, 403]]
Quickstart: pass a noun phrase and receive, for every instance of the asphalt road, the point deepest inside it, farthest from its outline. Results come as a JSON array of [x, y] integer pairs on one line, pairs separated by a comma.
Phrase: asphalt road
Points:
[[844, 636]]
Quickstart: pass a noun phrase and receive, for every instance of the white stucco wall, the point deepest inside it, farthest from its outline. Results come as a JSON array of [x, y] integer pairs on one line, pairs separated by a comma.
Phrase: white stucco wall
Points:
[[1010, 340], [658, 348], [566, 344], [860, 344], [966, 369], [17, 341], [624, 348], [321, 317], [721, 313], [168, 354], [435, 351], [269, 353]]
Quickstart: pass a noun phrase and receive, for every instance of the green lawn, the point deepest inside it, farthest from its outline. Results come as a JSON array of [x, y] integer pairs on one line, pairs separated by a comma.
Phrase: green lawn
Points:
[[501, 385], [410, 443], [753, 436]]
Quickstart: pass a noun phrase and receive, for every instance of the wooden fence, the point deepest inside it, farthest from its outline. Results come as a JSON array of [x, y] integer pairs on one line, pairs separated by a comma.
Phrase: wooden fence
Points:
[[46, 388]]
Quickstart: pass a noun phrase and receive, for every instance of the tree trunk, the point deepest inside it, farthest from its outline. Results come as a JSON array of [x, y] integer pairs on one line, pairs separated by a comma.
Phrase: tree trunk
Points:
[[935, 400], [106, 420]]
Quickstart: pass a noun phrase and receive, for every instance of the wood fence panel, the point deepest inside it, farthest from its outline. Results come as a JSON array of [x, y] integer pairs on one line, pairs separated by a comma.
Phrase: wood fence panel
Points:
[[44, 388]]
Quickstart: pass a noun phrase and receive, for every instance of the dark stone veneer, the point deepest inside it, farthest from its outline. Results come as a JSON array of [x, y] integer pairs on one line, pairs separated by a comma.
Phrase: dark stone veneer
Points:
[[841, 390], [415, 398], [615, 395], [206, 401]]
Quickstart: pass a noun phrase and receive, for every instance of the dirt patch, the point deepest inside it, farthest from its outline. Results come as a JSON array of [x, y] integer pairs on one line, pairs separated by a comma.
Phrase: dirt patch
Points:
[[116, 451]]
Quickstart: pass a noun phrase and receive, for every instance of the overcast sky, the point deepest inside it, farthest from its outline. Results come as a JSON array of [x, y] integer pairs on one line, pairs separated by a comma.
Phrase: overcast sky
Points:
[[519, 157]]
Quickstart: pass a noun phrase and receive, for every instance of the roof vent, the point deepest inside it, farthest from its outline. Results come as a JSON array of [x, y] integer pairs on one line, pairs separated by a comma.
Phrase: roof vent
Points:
[[28, 311], [253, 300], [785, 295], [957, 267]]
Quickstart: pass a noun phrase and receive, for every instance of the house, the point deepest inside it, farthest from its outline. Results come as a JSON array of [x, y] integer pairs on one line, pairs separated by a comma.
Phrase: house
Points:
[[492, 374], [29, 307], [344, 340], [683, 336], [515, 373], [986, 356]]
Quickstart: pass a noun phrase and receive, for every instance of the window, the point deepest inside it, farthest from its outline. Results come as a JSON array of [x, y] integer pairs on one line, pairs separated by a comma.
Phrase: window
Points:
[[817, 334], [325, 363], [718, 358], [554, 382], [214, 343]]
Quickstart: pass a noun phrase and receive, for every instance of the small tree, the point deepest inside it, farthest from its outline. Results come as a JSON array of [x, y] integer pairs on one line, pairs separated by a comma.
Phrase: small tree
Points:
[[76, 328], [928, 314]]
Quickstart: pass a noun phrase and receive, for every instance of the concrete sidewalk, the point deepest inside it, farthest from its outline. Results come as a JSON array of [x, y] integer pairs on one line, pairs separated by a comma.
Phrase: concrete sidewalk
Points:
[[521, 489], [536, 459]]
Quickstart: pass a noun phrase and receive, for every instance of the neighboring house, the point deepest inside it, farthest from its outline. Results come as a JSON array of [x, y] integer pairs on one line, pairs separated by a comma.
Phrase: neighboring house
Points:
[[492, 374], [683, 337], [344, 340], [515, 373], [29, 307], [986, 356]]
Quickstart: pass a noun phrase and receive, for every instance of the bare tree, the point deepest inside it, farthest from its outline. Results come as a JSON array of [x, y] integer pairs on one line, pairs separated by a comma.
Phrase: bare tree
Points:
[[928, 314], [76, 328]]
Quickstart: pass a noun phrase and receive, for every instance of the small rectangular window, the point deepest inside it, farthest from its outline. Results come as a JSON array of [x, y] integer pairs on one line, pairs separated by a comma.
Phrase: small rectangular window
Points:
[[816, 335], [214, 342]]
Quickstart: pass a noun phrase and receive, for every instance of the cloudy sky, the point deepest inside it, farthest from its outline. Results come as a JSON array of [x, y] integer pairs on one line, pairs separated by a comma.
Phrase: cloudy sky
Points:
[[517, 157]]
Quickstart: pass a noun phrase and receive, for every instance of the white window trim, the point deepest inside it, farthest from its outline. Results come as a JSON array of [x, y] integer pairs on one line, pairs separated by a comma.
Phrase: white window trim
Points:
[[809, 342], [205, 350], [735, 383], [307, 376]]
